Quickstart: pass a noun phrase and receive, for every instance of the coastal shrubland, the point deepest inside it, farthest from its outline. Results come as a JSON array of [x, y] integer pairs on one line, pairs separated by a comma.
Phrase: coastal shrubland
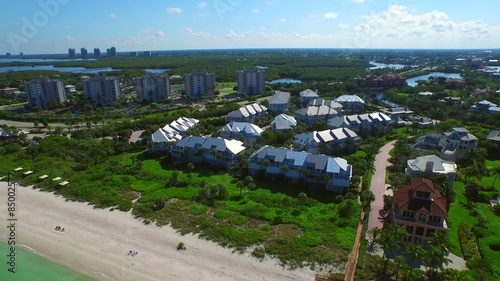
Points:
[[296, 225]]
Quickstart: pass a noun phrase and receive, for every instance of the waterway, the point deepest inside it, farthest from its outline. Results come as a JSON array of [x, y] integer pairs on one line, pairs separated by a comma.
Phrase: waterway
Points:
[[30, 266], [78, 69], [285, 80], [379, 65], [412, 82]]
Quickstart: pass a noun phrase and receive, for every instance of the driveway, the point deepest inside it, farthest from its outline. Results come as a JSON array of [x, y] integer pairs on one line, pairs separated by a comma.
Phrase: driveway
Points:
[[378, 185]]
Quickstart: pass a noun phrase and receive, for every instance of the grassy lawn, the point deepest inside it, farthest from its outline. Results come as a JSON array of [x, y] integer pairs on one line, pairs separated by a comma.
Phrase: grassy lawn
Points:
[[459, 213]]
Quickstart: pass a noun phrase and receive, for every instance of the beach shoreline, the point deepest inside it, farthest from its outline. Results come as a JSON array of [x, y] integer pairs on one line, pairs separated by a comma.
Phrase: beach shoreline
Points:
[[96, 242]]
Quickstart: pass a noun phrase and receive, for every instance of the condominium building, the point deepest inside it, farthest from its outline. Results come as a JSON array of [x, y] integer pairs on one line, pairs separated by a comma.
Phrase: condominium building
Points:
[[45, 93], [72, 53], [111, 52], [251, 82], [199, 85], [97, 53], [102, 90], [152, 88], [298, 167], [84, 53]]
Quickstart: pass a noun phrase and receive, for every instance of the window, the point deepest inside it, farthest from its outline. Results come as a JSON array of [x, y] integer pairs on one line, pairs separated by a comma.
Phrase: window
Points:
[[420, 231], [435, 219], [422, 217], [409, 229], [408, 214]]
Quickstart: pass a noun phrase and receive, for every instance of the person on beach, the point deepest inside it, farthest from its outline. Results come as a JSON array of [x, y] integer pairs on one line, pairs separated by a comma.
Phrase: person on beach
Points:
[[62, 230], [58, 227]]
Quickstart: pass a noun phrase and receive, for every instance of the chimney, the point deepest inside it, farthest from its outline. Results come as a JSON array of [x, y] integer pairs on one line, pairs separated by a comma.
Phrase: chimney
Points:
[[429, 166]]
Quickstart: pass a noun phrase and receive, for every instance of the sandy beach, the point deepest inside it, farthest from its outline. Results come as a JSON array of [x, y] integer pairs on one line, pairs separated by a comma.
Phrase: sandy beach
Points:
[[96, 242]]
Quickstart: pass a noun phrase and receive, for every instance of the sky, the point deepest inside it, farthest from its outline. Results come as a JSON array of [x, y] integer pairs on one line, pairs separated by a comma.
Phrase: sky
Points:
[[53, 26]]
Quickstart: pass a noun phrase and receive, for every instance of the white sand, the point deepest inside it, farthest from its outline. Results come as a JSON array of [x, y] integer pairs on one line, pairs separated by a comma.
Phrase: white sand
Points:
[[96, 242]]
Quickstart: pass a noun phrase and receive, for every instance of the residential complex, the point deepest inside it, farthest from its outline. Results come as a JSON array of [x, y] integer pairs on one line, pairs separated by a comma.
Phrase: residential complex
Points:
[[330, 103], [283, 122], [311, 114], [458, 141], [314, 170], [484, 106], [351, 103], [111, 52], [97, 53], [307, 95], [420, 209], [45, 93], [251, 82], [72, 53], [152, 88], [322, 141], [242, 131], [430, 166], [84, 53], [213, 151], [279, 102], [161, 139], [247, 113], [199, 85], [102, 90], [367, 121]]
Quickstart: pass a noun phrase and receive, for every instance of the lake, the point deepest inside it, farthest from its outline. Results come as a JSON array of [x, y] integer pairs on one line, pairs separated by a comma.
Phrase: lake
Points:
[[4, 60], [379, 65], [285, 80], [30, 267], [412, 82], [77, 69], [157, 70]]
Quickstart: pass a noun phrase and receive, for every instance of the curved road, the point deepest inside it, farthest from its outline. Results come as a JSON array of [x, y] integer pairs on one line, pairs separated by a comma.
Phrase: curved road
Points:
[[378, 186]]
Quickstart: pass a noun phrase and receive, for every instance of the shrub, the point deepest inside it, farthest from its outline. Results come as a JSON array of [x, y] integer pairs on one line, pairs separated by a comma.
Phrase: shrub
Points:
[[198, 209], [239, 220], [181, 246], [125, 205], [259, 252], [266, 227], [222, 214]]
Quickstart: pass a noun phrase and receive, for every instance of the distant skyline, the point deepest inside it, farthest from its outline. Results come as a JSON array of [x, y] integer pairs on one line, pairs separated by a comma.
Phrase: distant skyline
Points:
[[53, 26]]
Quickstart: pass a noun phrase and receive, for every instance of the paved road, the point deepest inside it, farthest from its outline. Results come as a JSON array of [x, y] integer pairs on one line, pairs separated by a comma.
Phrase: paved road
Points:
[[28, 125], [378, 186]]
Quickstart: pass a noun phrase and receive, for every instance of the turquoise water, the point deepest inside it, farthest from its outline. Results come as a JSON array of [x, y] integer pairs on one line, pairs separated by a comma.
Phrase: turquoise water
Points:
[[31, 267]]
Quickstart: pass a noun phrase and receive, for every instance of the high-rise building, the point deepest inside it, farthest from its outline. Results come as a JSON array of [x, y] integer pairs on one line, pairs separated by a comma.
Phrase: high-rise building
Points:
[[111, 52], [133, 54], [199, 85], [102, 90], [21, 54], [251, 82], [85, 54], [45, 93], [72, 53], [147, 53], [97, 53], [152, 88], [8, 54]]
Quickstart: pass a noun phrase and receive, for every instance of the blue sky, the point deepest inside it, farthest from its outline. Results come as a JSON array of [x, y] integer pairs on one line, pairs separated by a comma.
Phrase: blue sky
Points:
[[53, 26]]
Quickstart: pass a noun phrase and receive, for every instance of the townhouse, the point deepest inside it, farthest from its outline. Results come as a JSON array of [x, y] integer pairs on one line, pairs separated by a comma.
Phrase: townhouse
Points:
[[323, 141]]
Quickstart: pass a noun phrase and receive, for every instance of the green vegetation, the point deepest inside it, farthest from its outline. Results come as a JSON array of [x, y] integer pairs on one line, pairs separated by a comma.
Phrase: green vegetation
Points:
[[295, 225]]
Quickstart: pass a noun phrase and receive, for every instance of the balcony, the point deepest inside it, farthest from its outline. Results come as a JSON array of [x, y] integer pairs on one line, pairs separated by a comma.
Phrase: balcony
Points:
[[414, 221]]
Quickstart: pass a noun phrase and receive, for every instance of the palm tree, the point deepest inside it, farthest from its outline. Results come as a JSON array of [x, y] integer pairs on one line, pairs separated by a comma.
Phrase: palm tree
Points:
[[412, 252], [389, 240], [374, 233], [302, 197], [495, 171]]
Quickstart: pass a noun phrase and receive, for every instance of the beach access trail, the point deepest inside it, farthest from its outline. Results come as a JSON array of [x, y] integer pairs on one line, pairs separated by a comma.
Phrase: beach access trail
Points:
[[96, 241]]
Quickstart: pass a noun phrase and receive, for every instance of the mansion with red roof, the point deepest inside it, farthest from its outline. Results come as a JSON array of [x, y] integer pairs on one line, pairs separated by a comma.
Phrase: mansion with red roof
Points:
[[420, 209]]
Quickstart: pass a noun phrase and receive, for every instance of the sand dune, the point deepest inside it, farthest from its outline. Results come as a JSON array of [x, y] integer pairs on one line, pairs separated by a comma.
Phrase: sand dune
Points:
[[96, 242]]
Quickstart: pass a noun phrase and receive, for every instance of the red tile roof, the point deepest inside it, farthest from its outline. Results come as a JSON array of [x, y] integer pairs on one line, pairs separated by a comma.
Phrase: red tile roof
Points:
[[403, 196]]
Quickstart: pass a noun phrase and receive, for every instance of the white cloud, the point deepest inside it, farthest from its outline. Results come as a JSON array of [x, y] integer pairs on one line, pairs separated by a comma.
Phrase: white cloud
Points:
[[174, 10], [358, 1], [160, 33], [232, 34], [283, 20], [200, 34], [70, 39], [343, 26], [330, 15], [202, 5], [255, 11], [112, 16], [400, 27]]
